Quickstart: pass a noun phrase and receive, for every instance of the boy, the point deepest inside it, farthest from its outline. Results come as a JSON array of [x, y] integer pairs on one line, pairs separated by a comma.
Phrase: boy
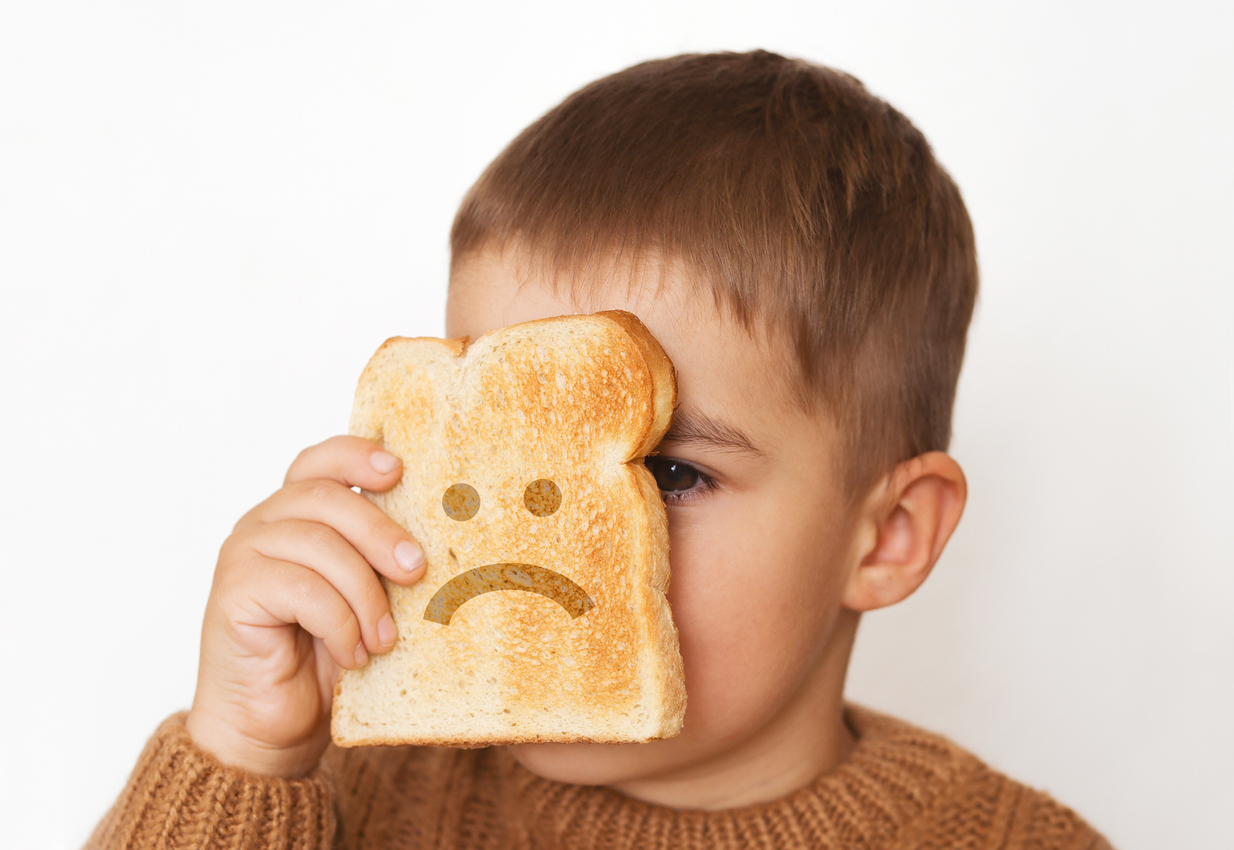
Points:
[[810, 269]]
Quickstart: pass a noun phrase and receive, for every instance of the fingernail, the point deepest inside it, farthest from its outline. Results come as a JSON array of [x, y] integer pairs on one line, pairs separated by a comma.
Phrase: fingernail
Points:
[[408, 556], [361, 655], [386, 631], [384, 462]]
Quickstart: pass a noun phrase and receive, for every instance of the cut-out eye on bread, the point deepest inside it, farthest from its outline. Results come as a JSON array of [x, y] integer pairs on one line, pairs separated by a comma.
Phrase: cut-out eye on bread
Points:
[[542, 613], [461, 502], [542, 497]]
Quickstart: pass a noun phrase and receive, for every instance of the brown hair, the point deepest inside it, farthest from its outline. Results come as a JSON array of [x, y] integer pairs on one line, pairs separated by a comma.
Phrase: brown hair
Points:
[[805, 202]]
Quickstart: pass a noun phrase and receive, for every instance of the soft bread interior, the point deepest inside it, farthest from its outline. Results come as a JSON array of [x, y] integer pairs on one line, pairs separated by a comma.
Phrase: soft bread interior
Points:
[[574, 400]]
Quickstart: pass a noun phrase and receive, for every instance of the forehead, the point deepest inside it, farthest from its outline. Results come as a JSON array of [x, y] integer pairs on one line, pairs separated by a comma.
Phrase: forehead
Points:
[[492, 289], [724, 371]]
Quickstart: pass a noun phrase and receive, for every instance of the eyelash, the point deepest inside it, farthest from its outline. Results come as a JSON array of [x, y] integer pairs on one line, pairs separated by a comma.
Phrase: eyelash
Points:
[[681, 497]]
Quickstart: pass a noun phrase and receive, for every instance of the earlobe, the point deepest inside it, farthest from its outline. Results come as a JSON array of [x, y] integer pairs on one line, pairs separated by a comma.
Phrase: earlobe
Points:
[[909, 518]]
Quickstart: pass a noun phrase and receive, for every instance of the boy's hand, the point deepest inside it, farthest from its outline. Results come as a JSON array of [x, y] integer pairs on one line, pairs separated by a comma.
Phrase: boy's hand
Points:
[[295, 597]]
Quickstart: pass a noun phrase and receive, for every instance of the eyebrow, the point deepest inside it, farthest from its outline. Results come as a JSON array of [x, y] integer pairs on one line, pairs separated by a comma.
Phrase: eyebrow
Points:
[[691, 427]]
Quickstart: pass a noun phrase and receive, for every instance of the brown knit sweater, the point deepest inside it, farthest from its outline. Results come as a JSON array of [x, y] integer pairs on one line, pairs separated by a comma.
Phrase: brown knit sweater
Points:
[[900, 788]]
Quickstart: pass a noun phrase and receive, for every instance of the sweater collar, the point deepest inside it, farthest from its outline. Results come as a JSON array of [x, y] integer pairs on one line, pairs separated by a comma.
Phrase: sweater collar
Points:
[[892, 775]]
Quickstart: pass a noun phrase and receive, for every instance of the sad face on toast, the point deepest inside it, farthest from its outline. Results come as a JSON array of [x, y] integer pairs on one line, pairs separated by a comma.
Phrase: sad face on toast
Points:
[[542, 615]]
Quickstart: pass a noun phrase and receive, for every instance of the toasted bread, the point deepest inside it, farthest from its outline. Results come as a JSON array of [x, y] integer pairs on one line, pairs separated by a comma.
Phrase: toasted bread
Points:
[[542, 615]]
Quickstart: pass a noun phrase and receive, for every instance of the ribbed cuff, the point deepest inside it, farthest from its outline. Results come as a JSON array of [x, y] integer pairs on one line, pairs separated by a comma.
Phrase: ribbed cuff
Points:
[[180, 797]]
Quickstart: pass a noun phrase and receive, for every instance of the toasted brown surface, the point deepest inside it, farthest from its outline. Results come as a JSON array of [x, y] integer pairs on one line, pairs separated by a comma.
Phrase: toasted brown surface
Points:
[[546, 424]]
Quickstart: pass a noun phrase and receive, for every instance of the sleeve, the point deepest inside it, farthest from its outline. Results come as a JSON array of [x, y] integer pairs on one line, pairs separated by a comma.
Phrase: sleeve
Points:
[[1039, 822], [180, 797]]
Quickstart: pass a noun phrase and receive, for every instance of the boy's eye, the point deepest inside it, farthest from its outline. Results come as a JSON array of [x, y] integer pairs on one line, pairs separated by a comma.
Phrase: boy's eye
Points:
[[673, 476]]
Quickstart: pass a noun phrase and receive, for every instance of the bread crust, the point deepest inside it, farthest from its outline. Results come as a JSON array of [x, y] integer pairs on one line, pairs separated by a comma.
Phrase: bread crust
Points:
[[590, 655]]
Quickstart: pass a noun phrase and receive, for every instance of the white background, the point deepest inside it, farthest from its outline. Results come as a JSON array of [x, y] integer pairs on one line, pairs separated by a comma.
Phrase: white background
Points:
[[210, 217]]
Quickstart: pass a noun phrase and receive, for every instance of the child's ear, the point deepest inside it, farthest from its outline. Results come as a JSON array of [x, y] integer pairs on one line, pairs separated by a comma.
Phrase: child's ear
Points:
[[908, 519]]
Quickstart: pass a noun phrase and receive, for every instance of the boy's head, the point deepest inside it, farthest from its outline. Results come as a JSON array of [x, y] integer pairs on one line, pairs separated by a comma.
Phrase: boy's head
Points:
[[810, 269], [799, 202]]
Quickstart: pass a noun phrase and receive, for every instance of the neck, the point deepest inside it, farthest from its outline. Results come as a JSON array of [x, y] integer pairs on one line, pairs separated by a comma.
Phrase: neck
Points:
[[805, 739]]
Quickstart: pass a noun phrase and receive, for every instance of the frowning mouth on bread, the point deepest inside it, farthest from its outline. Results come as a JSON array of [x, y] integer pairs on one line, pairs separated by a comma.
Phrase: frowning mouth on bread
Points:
[[548, 583]]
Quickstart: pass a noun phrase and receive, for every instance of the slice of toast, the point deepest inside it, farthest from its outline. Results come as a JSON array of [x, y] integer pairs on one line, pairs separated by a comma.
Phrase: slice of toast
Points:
[[542, 615]]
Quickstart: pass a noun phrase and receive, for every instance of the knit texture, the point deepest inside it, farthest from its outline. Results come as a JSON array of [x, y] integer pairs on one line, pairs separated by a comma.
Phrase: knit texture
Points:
[[900, 788], [179, 796]]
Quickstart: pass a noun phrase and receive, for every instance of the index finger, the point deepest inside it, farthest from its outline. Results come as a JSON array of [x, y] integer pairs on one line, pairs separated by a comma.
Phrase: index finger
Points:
[[351, 461]]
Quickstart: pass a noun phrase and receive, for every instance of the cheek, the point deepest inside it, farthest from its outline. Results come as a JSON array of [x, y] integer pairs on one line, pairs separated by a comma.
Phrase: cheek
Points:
[[752, 598]]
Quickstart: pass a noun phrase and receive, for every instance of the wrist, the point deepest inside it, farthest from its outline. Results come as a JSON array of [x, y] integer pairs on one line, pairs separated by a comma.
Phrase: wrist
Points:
[[233, 748]]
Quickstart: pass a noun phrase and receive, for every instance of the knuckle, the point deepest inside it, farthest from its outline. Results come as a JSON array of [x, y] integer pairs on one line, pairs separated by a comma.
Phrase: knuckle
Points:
[[232, 553], [341, 625], [244, 521], [227, 552], [313, 594], [237, 566], [338, 441], [319, 491], [297, 463], [308, 592], [379, 526], [320, 538], [369, 594]]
